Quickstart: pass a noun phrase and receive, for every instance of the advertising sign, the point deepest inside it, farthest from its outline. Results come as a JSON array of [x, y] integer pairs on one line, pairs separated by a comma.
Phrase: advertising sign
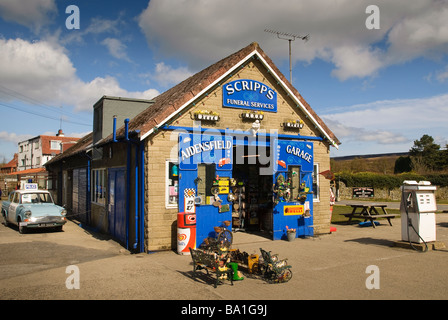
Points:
[[293, 210], [249, 94], [296, 153], [203, 148]]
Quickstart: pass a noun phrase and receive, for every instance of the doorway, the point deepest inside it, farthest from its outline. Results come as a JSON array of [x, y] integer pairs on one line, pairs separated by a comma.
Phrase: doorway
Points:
[[252, 189]]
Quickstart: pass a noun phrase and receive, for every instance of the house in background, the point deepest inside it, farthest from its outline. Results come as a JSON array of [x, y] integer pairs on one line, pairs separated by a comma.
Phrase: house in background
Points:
[[35, 152], [8, 182]]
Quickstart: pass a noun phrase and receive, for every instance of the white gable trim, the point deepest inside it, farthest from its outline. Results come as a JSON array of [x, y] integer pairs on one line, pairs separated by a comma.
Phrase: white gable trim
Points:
[[236, 66], [297, 100]]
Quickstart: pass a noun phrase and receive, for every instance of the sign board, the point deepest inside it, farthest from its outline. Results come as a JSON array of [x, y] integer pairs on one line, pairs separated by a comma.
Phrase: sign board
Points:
[[30, 186], [204, 148], [249, 94], [295, 153], [293, 210], [363, 192]]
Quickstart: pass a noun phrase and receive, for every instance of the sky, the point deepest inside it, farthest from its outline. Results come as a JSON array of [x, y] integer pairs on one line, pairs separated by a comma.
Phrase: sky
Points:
[[377, 76]]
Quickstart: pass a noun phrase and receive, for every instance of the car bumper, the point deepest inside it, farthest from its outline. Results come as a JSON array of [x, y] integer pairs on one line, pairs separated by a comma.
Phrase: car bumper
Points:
[[44, 222]]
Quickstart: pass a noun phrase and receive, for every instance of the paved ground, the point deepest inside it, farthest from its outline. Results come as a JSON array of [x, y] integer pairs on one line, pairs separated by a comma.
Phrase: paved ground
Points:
[[333, 266]]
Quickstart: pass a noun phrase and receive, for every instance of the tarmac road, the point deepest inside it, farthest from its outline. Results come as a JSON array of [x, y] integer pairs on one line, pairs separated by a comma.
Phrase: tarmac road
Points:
[[334, 266]]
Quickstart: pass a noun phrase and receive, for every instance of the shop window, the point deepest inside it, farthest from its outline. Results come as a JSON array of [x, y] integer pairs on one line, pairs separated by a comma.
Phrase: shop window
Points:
[[316, 190], [99, 186], [172, 184], [206, 176]]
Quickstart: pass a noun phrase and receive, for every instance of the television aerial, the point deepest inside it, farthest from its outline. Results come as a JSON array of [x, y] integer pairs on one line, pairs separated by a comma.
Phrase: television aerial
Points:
[[290, 37]]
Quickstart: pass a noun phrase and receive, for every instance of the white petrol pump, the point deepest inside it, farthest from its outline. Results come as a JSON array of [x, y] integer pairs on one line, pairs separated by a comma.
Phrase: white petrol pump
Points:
[[418, 207]]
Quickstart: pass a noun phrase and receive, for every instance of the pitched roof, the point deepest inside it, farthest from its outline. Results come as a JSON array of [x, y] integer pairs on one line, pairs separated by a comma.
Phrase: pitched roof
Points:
[[46, 143], [28, 171], [13, 163], [80, 146], [171, 102]]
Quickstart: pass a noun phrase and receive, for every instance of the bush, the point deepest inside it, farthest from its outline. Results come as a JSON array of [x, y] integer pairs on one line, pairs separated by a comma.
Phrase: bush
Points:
[[387, 181]]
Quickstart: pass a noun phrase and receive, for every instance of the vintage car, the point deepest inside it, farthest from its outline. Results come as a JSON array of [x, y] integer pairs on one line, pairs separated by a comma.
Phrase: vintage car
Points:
[[32, 209]]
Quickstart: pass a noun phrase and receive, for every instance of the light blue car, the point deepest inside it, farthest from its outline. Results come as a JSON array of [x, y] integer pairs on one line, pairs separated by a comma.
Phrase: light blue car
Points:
[[33, 209]]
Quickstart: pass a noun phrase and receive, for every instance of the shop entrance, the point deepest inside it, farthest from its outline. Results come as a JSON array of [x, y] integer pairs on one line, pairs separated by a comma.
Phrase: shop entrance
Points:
[[258, 185], [252, 208]]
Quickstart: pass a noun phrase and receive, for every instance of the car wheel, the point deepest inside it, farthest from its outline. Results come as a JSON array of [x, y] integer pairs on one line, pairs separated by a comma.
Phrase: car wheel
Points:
[[22, 229], [5, 222]]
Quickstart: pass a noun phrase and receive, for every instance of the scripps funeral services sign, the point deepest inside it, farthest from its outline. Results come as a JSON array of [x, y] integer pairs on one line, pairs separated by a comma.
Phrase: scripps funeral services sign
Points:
[[249, 94]]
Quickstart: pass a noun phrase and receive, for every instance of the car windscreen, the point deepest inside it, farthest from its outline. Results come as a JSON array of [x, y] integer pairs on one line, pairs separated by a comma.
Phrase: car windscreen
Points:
[[36, 198]]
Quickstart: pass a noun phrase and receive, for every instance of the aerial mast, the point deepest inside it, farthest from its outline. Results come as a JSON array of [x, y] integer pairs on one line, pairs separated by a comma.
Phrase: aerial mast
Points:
[[290, 37]]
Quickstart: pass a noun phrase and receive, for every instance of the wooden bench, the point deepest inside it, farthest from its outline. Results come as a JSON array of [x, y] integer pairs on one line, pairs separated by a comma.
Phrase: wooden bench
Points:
[[208, 262], [369, 212]]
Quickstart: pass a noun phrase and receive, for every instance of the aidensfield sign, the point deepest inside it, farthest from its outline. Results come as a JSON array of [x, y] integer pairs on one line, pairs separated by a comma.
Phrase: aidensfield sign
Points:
[[249, 94]]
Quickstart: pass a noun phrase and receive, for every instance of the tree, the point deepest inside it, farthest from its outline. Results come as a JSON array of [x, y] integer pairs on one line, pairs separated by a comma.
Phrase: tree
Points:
[[426, 154], [403, 164]]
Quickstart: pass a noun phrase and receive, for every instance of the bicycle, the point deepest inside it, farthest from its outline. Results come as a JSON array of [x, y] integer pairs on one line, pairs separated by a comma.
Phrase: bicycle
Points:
[[224, 235]]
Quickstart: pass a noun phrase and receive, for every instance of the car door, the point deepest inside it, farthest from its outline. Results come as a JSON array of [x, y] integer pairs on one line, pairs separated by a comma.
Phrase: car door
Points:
[[13, 207]]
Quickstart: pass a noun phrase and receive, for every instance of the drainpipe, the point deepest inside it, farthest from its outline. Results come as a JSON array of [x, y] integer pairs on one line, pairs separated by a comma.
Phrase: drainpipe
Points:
[[142, 197], [88, 205], [115, 128], [126, 129], [128, 180], [136, 195]]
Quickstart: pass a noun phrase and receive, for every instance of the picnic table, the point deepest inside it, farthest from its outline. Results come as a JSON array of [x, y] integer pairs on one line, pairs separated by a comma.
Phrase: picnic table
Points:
[[369, 212]]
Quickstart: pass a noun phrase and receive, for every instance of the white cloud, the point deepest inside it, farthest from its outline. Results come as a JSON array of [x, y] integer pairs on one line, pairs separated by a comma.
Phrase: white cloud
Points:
[[35, 68], [97, 26], [442, 75], [390, 122], [168, 76], [356, 61], [13, 137], [201, 32], [43, 71], [116, 48], [31, 13]]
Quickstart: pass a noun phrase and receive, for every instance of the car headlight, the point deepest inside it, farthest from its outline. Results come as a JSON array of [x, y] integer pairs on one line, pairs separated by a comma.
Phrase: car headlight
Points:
[[63, 212], [27, 214]]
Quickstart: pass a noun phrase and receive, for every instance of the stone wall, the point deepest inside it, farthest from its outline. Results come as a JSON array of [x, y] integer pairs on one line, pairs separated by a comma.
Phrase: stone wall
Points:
[[346, 193]]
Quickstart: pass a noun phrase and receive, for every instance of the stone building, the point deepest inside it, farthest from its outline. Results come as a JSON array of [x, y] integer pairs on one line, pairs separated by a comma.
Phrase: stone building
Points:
[[234, 142]]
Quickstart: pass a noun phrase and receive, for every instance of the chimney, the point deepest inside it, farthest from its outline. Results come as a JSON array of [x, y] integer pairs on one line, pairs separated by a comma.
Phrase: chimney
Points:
[[60, 133]]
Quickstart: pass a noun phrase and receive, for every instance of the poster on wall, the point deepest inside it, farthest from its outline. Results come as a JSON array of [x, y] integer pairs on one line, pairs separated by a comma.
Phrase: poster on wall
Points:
[[189, 195]]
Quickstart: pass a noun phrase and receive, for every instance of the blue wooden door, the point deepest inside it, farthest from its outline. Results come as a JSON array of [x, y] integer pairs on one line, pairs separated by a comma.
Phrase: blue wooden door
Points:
[[117, 204], [293, 158]]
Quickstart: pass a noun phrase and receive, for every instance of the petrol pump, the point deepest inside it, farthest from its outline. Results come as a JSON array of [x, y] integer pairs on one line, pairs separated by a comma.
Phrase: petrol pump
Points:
[[418, 207]]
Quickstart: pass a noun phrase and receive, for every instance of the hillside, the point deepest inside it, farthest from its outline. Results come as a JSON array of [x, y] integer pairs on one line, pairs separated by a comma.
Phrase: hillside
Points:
[[380, 163]]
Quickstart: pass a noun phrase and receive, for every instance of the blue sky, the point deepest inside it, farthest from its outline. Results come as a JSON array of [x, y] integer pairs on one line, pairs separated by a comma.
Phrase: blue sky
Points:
[[377, 89]]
